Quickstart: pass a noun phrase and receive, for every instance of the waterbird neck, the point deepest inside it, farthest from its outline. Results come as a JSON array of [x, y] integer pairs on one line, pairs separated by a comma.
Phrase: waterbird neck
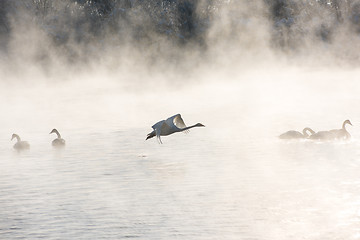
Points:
[[308, 129], [344, 124], [57, 133], [186, 128], [17, 137]]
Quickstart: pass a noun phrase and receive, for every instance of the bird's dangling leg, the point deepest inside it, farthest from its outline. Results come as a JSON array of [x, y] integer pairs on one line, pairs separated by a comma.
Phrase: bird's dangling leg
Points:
[[159, 140]]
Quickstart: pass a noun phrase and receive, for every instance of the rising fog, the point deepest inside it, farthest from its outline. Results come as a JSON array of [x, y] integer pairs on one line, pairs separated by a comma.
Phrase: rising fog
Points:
[[53, 37], [89, 59], [103, 72]]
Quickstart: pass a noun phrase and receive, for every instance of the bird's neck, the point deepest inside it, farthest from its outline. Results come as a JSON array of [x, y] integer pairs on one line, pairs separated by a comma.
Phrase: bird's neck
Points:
[[308, 129], [58, 134], [187, 128], [305, 133], [343, 126], [17, 137]]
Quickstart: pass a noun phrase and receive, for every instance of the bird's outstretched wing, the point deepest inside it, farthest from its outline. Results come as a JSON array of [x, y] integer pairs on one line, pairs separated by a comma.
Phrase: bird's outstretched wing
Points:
[[166, 129], [162, 128], [177, 122], [158, 125]]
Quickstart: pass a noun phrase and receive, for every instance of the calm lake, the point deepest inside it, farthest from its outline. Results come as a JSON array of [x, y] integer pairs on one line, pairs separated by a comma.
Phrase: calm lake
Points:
[[233, 179]]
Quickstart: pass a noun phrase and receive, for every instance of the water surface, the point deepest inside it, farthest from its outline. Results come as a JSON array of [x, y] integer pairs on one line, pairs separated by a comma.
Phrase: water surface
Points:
[[232, 179]]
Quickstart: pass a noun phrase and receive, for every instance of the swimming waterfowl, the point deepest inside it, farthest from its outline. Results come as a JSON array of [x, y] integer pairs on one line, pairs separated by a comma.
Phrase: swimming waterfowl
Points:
[[20, 145], [342, 133], [169, 126], [57, 142], [323, 136], [296, 135]]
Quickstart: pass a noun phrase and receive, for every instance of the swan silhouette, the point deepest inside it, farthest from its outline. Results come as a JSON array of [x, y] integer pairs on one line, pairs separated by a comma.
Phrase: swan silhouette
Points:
[[169, 126], [20, 145], [323, 136], [342, 133], [57, 142], [296, 135]]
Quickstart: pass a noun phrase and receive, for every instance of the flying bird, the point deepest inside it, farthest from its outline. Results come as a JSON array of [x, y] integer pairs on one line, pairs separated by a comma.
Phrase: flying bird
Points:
[[57, 142], [169, 126], [342, 133], [296, 135], [20, 145]]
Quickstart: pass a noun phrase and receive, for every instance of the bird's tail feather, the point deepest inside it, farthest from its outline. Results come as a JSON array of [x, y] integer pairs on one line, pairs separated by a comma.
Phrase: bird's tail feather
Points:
[[150, 135]]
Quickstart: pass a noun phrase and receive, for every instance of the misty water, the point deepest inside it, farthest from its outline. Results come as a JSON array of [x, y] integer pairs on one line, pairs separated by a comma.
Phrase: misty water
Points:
[[233, 179]]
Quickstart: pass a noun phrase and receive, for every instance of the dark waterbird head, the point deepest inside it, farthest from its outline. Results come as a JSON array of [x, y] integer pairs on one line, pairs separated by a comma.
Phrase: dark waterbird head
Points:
[[53, 131], [56, 132], [199, 125], [14, 136]]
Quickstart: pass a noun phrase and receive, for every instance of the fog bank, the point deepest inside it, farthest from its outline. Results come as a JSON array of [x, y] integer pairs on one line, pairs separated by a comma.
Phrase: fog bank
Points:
[[56, 40]]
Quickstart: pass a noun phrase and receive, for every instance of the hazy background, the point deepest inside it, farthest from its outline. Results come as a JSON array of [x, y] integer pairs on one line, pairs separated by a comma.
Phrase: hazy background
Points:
[[103, 72], [61, 38], [52, 51]]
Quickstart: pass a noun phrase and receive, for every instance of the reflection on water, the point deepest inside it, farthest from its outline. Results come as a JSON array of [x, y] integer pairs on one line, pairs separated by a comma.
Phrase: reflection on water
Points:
[[232, 179]]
